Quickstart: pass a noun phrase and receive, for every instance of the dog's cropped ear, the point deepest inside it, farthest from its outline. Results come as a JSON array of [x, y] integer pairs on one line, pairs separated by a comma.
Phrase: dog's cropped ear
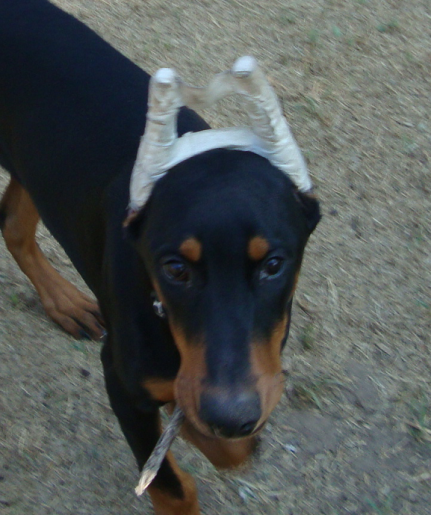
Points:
[[132, 225], [310, 206]]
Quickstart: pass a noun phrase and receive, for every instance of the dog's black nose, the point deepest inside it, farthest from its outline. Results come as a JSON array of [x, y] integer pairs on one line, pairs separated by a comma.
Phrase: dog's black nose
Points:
[[230, 415]]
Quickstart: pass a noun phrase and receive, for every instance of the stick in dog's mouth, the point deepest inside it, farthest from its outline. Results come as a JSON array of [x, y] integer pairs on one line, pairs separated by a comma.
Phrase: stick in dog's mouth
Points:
[[153, 463]]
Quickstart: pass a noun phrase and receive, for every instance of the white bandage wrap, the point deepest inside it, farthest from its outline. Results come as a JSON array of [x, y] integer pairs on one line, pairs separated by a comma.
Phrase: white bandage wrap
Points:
[[268, 135]]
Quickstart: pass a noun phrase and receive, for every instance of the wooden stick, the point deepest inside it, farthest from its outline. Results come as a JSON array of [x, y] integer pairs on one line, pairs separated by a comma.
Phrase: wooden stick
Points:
[[153, 463]]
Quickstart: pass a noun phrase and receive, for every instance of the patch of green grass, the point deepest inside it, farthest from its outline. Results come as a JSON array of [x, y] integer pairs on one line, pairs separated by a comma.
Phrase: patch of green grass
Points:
[[80, 345], [390, 27], [423, 304], [313, 37], [420, 428], [286, 17], [14, 300], [169, 47], [409, 57], [12, 509], [382, 508], [409, 145], [308, 395], [308, 155], [283, 60], [420, 410], [336, 31], [313, 392], [307, 338], [311, 107]]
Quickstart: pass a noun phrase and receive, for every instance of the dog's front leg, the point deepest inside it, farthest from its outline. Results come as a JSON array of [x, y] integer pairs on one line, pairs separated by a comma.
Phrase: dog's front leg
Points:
[[71, 309], [173, 492]]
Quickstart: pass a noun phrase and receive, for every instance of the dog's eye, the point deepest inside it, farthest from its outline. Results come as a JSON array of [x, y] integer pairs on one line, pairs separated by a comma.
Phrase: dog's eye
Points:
[[271, 267], [176, 270]]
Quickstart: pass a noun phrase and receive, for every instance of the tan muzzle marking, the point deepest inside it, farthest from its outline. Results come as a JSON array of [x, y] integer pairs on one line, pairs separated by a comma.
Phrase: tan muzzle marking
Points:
[[266, 367]]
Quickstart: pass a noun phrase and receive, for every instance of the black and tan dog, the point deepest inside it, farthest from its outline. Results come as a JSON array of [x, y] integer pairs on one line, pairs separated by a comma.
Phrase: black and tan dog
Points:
[[217, 247]]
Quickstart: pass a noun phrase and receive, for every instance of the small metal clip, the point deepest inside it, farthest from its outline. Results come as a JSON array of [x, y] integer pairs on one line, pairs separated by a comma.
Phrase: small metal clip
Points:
[[159, 310]]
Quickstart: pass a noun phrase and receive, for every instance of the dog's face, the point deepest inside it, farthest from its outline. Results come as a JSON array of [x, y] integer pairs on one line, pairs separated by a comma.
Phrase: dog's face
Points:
[[222, 238]]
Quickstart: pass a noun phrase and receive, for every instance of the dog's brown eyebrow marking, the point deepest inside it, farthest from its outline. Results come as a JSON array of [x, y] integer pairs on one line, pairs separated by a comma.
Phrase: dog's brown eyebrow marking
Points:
[[191, 249], [258, 248]]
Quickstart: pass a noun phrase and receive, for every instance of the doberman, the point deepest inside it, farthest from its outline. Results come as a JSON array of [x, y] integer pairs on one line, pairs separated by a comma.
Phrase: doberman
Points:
[[217, 247]]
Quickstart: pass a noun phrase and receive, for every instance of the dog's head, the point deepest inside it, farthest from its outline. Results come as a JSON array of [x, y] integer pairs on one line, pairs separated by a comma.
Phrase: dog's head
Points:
[[222, 237]]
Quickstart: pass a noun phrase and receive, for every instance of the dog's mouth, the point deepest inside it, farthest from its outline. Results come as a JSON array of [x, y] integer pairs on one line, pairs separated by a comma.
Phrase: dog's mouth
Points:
[[223, 452], [214, 433], [222, 435], [215, 413]]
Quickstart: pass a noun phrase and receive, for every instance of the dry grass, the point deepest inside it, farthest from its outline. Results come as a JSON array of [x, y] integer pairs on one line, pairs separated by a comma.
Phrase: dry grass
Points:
[[354, 77]]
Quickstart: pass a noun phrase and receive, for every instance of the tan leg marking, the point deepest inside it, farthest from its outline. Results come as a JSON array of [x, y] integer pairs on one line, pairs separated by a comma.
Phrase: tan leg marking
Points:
[[161, 390], [75, 312], [165, 504]]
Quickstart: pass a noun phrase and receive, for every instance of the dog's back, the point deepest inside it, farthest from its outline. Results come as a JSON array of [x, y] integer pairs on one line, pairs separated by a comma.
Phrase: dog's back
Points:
[[70, 106], [72, 110]]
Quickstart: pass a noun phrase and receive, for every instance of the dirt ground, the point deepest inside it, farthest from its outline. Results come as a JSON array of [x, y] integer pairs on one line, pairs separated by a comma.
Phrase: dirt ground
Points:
[[353, 433]]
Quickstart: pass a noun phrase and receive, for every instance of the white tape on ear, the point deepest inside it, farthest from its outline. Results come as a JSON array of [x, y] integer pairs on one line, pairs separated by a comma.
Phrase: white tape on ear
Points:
[[269, 135], [267, 121]]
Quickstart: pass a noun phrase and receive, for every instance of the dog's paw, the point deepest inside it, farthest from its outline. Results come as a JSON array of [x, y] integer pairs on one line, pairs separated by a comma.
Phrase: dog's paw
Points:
[[75, 312]]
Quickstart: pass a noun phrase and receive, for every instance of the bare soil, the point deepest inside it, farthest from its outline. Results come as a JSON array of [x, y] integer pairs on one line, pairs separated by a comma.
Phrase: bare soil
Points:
[[353, 433]]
